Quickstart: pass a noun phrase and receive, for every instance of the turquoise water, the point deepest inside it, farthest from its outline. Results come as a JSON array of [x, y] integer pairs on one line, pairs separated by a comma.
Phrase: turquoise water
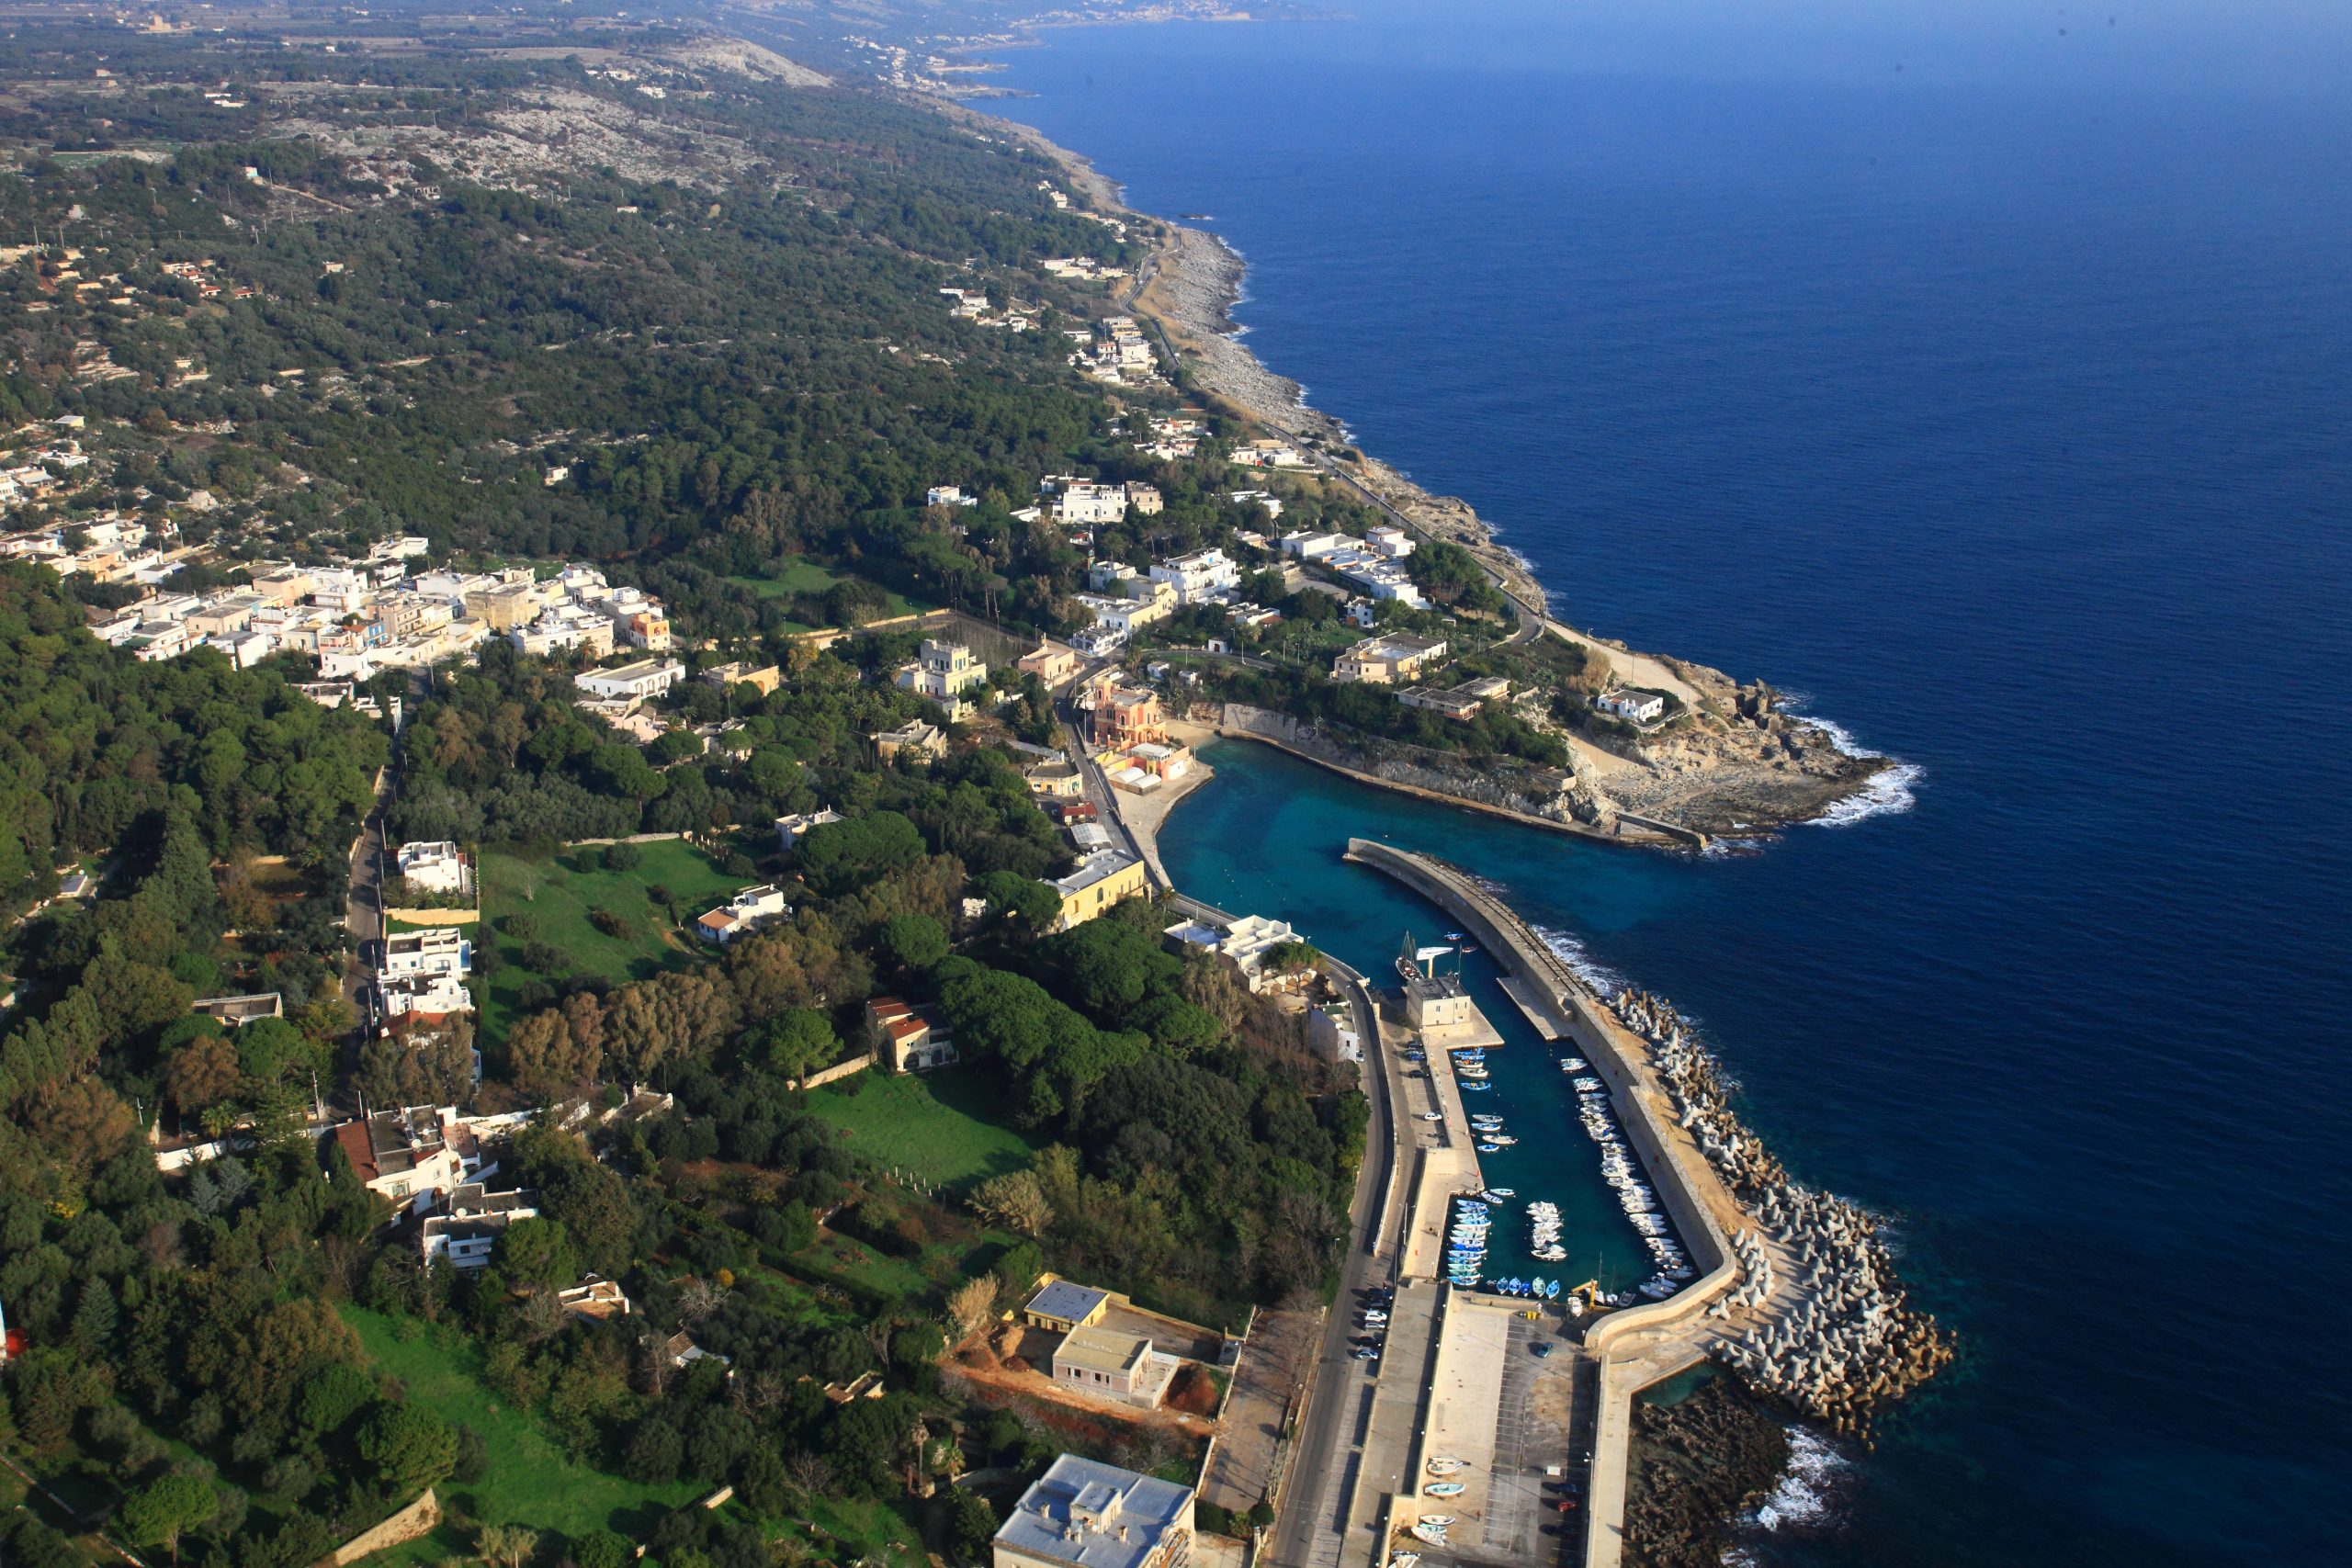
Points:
[[1266, 837]]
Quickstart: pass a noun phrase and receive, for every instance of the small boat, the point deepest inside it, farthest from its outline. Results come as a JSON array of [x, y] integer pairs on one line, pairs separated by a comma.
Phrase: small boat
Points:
[[1434, 1534], [1476, 1088], [1490, 1148], [1440, 1520], [1403, 1559], [1552, 1292], [1503, 1139], [1443, 1489], [1502, 1191], [1445, 1464]]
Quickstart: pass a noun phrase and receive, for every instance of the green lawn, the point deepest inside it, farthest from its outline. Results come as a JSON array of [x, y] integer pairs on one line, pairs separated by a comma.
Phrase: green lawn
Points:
[[798, 574], [844, 1531], [558, 895], [528, 1480], [939, 1126]]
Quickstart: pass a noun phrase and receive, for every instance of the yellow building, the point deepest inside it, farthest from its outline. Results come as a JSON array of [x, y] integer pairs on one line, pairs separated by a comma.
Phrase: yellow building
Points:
[[1100, 882]]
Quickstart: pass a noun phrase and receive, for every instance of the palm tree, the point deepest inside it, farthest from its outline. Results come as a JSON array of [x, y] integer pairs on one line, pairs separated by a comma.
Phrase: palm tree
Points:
[[507, 1544]]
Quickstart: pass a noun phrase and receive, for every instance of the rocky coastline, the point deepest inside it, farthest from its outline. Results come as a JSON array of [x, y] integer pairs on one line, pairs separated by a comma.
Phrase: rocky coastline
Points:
[[1736, 764], [1696, 1467]]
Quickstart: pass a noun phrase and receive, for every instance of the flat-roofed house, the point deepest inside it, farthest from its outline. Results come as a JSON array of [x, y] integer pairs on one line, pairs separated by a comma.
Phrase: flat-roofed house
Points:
[[645, 677], [1050, 663], [434, 866], [464, 1234], [1062, 1305], [790, 831], [917, 737], [1399, 656], [1084, 1514], [1111, 1363], [1100, 881], [1640, 706]]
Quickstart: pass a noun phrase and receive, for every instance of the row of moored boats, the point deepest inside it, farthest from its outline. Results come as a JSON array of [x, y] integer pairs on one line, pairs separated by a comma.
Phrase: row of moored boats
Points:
[[1624, 1173]]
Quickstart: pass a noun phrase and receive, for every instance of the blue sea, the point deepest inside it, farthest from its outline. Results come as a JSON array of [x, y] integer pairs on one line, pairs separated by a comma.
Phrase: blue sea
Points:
[[1983, 375]]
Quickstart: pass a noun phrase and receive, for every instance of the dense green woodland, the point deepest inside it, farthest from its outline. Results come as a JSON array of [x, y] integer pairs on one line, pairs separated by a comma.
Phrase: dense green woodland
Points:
[[244, 1363]]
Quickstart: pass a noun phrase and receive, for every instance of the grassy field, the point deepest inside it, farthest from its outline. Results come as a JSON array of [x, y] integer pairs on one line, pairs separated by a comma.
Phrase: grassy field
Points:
[[558, 894], [938, 1127], [528, 1480], [798, 574]]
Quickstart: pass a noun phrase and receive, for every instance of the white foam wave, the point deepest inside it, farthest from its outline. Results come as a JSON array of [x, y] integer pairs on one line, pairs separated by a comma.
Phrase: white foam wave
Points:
[[1802, 1497], [1572, 951], [1890, 791]]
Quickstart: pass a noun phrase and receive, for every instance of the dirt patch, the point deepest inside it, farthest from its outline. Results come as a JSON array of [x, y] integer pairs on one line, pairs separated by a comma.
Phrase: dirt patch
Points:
[[1194, 1391]]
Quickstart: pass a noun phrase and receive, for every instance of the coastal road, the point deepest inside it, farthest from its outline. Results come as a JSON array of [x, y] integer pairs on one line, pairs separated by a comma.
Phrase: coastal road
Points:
[[1310, 1502]]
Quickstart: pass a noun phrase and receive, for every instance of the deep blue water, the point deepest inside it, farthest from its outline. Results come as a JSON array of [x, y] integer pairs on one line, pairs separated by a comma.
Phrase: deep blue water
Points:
[[2000, 403]]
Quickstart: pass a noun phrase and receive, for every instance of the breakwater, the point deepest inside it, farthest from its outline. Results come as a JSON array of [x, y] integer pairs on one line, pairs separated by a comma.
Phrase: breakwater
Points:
[[1851, 1343]]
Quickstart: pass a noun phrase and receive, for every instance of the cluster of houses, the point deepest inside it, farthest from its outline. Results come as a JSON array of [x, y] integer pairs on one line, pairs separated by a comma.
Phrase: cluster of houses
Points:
[[1395, 659], [1171, 437], [1123, 603], [972, 305], [360, 617], [36, 476], [1114, 350], [1079, 269], [1374, 563], [111, 549]]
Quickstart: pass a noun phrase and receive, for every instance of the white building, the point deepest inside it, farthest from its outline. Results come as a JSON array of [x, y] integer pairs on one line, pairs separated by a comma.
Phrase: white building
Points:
[[645, 677], [790, 831], [948, 495], [1247, 942], [1082, 502], [1641, 707], [435, 867], [440, 950], [741, 915], [942, 673], [1206, 578], [465, 1234]]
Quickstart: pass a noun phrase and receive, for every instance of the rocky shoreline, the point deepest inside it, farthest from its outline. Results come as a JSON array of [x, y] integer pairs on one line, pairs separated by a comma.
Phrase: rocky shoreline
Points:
[[1697, 1466], [1738, 765]]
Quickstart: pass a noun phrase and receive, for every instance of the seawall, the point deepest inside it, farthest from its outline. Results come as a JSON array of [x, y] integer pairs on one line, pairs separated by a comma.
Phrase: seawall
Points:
[[1239, 726]]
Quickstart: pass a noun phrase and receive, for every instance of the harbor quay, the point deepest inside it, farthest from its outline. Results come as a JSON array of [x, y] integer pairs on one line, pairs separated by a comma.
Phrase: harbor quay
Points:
[[1621, 1352]]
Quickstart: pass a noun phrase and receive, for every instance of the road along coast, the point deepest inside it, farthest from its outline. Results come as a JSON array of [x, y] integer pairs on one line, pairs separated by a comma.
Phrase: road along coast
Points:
[[1797, 1292]]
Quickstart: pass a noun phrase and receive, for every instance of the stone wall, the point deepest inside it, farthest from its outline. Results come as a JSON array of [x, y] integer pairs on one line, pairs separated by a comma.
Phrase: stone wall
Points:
[[407, 1525], [839, 1070]]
